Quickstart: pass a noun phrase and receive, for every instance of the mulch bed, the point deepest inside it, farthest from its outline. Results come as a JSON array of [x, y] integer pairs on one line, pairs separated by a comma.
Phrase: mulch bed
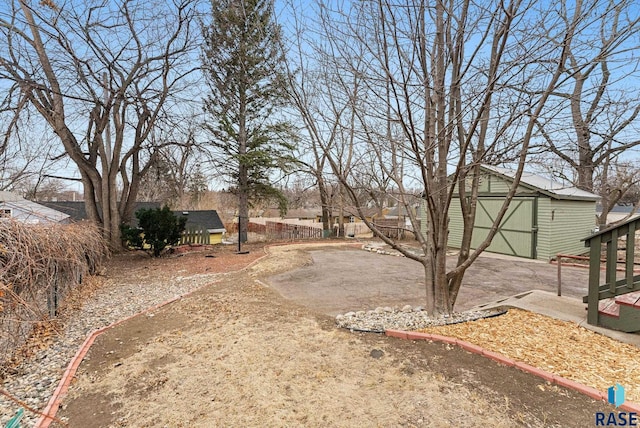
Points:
[[559, 347]]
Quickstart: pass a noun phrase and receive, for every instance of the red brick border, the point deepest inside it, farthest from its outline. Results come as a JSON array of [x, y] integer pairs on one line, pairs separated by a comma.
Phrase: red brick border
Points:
[[54, 402], [468, 346], [56, 399], [630, 407], [501, 359], [576, 386], [535, 371]]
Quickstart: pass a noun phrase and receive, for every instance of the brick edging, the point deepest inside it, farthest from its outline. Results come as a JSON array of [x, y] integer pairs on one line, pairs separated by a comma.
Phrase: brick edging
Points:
[[49, 412], [54, 402], [501, 359]]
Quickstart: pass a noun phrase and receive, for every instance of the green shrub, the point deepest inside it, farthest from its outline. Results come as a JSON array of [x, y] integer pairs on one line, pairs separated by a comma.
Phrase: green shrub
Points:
[[157, 228], [131, 236]]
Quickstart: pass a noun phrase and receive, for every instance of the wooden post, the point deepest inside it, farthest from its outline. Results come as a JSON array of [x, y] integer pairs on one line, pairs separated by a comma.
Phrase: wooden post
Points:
[[595, 245], [612, 261], [559, 261], [630, 254]]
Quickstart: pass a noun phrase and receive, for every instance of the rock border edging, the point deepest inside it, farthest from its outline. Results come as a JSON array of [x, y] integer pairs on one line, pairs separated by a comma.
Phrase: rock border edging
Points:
[[53, 405], [50, 411], [501, 359]]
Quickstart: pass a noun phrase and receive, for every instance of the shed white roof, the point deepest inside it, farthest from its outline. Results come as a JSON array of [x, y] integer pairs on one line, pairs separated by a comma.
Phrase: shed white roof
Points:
[[545, 185], [30, 212]]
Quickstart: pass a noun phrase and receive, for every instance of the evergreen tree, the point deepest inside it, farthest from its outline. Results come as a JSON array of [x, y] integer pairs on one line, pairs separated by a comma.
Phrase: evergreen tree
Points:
[[245, 69]]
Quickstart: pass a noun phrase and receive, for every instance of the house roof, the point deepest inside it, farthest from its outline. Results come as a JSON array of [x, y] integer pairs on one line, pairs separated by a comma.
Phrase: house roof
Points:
[[207, 219], [366, 211], [78, 212], [399, 211], [75, 209], [31, 212], [543, 185], [618, 208]]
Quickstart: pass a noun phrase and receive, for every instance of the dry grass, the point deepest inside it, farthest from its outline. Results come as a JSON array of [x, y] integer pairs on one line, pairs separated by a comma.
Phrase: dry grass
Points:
[[559, 347], [38, 262]]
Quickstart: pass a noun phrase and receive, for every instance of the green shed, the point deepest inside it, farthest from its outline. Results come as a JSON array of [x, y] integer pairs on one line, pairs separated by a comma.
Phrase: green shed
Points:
[[544, 218]]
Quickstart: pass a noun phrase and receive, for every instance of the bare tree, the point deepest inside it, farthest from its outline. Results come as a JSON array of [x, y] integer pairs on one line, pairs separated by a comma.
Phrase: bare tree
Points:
[[101, 75], [596, 100], [617, 184], [25, 151], [430, 91], [173, 166]]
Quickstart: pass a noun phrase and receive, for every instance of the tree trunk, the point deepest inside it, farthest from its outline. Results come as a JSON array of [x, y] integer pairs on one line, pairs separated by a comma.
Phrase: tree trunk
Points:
[[243, 173], [324, 202], [429, 283], [341, 214], [583, 136], [243, 206]]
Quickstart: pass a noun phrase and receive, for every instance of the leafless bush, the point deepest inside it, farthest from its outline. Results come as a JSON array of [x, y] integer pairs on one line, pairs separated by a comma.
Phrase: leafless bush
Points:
[[39, 264]]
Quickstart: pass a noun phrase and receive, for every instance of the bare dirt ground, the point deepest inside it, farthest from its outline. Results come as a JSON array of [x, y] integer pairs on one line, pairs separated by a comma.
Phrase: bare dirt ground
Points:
[[237, 354]]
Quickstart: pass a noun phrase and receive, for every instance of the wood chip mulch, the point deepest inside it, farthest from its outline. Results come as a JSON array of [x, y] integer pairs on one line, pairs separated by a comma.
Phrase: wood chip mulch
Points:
[[559, 347]]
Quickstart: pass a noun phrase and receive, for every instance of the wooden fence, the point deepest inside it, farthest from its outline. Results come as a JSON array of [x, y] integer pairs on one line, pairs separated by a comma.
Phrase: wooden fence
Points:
[[253, 227], [284, 231], [391, 228], [195, 236]]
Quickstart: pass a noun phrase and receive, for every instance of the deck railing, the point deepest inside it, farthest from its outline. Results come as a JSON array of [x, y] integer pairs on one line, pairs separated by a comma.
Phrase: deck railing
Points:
[[610, 238]]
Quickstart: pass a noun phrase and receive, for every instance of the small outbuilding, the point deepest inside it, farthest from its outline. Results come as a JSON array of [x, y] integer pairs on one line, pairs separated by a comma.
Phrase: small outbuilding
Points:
[[204, 220], [545, 218], [17, 208], [200, 221]]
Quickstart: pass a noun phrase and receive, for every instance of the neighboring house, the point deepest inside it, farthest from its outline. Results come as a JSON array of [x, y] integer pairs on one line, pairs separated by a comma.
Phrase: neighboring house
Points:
[[78, 212], [20, 209], [351, 214], [618, 213], [400, 214], [196, 220], [544, 218], [204, 220]]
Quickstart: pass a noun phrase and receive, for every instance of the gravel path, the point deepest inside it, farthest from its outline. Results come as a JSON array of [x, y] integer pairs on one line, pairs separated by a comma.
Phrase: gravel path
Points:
[[35, 379], [407, 318], [130, 288], [123, 295]]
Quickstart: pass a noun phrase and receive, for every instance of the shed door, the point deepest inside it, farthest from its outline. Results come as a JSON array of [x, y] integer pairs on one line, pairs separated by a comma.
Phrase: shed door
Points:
[[517, 233]]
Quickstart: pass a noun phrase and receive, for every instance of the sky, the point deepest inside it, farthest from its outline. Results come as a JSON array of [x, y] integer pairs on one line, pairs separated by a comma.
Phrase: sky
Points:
[[286, 18]]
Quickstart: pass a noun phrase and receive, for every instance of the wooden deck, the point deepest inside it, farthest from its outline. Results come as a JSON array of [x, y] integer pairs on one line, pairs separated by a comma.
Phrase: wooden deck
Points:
[[616, 303]]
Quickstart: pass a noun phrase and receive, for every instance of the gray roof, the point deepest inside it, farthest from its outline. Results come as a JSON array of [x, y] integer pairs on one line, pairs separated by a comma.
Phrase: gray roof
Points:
[[31, 212], [205, 219], [78, 212], [544, 185]]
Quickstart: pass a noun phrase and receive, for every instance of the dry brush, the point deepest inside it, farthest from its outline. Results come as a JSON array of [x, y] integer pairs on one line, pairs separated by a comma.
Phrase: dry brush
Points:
[[39, 265]]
